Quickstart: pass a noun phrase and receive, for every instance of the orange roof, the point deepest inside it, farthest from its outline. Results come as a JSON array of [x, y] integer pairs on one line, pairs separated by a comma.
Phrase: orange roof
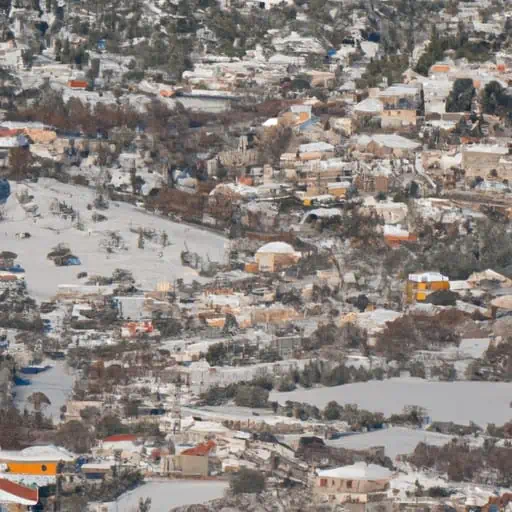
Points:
[[117, 438], [20, 491], [440, 68], [78, 84], [201, 449]]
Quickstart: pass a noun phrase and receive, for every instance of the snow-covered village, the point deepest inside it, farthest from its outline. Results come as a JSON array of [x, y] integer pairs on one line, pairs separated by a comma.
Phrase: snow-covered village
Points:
[[255, 256]]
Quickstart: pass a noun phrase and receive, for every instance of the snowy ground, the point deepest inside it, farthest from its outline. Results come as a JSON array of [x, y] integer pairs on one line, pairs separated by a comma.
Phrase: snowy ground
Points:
[[56, 384], [461, 402], [43, 277], [396, 440], [167, 495]]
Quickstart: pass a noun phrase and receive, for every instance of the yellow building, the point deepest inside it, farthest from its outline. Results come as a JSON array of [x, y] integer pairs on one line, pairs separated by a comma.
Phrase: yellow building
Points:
[[420, 286]]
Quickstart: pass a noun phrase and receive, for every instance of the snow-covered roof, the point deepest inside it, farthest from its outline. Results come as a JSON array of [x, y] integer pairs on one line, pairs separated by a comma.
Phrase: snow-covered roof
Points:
[[276, 247], [314, 147], [395, 141], [358, 471], [399, 90], [11, 492], [38, 453], [369, 106], [427, 277]]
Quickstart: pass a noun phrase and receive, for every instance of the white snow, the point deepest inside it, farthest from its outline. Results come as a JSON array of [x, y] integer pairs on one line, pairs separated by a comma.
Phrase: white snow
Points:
[[167, 495], [460, 402], [276, 247], [56, 383], [43, 277], [358, 471], [395, 440]]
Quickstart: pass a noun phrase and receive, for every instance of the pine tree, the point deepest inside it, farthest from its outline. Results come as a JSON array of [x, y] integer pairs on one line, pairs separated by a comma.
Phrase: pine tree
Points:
[[140, 241]]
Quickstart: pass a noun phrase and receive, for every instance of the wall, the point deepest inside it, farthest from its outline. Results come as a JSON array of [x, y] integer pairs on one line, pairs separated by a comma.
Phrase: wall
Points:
[[32, 468], [479, 164], [398, 118]]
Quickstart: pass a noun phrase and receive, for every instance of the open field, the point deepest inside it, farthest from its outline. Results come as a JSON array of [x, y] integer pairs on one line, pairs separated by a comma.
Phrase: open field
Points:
[[149, 267], [461, 402]]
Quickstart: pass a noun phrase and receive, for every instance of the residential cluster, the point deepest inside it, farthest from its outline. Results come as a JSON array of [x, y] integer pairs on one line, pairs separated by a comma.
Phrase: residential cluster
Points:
[[255, 255]]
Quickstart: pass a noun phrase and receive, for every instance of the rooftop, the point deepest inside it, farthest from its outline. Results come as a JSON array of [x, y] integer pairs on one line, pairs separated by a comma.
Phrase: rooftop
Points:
[[358, 471]]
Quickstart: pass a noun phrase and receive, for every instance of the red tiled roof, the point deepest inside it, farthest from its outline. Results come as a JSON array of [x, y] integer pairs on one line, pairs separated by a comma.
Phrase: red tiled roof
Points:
[[78, 84], [201, 449], [120, 437], [22, 492], [6, 132]]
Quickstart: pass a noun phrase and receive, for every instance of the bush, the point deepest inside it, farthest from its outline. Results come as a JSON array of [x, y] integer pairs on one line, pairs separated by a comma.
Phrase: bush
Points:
[[247, 481], [251, 396]]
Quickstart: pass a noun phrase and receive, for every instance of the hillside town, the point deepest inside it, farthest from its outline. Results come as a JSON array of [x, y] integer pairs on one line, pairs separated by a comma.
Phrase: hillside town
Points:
[[255, 256]]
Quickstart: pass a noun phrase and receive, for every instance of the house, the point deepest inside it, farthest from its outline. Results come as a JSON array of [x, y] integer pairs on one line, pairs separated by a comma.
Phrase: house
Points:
[[191, 461], [286, 346], [420, 286], [315, 151], [125, 444], [480, 160], [394, 236], [276, 256], [80, 85], [16, 498], [356, 486], [400, 103], [98, 470], [382, 145], [34, 461]]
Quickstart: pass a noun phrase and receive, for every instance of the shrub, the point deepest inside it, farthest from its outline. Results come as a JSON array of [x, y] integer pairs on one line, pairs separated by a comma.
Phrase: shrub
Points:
[[247, 481]]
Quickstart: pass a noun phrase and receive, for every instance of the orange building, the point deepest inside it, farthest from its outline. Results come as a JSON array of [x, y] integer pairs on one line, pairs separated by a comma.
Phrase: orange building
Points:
[[35, 460], [420, 286]]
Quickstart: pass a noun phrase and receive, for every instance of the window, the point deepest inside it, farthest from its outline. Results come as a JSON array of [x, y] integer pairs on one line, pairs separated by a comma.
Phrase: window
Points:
[[43, 468], [349, 484], [323, 482]]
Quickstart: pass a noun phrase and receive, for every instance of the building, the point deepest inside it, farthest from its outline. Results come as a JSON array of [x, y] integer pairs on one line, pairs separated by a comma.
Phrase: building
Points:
[[356, 486], [276, 256], [400, 103], [35, 461], [16, 498], [394, 236], [480, 160], [420, 286], [78, 84], [191, 461]]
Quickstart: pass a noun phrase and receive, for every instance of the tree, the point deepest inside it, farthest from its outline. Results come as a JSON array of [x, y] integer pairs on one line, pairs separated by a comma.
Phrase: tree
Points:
[[495, 100], [332, 411], [20, 162], [461, 96], [216, 355], [75, 436], [164, 239], [38, 400], [108, 426], [251, 396], [247, 481], [140, 239], [144, 505]]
